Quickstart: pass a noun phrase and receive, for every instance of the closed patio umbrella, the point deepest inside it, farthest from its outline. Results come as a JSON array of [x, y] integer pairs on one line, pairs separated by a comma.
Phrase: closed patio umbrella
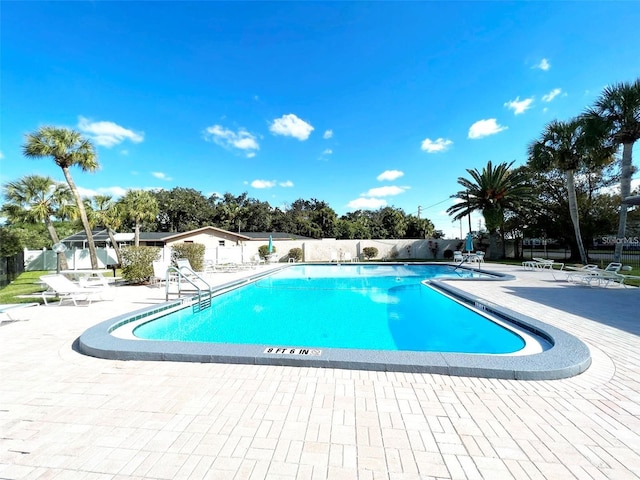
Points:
[[270, 249], [469, 243]]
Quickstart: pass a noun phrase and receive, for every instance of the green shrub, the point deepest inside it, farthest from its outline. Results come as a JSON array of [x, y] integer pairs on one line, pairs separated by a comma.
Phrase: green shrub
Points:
[[370, 252], [137, 263], [296, 254], [194, 252], [263, 251]]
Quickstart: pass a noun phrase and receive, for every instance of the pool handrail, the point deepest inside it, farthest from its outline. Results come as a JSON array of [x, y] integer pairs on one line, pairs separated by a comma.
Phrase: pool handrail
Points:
[[171, 274]]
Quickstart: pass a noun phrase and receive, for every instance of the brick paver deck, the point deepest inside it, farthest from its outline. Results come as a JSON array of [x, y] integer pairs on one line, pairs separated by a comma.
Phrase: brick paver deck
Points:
[[64, 415]]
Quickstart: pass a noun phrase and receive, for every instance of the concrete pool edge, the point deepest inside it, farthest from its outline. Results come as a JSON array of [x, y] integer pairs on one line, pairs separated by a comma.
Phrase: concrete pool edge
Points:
[[567, 357]]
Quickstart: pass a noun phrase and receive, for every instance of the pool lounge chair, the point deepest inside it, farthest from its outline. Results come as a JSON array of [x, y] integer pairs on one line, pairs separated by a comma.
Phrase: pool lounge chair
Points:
[[63, 288], [159, 272], [593, 276], [537, 263]]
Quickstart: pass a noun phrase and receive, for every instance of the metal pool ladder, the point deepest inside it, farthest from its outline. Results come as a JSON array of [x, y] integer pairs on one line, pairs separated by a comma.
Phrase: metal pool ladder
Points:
[[176, 276]]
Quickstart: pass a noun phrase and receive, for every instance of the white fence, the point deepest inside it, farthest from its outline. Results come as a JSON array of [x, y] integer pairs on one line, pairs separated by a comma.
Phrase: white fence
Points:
[[313, 251], [76, 259]]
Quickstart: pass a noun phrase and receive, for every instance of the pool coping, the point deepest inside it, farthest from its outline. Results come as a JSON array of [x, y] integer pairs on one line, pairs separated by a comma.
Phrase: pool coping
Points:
[[568, 356]]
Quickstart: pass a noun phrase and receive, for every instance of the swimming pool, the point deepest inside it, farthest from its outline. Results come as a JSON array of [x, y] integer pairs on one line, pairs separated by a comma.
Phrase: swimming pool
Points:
[[397, 292], [370, 307]]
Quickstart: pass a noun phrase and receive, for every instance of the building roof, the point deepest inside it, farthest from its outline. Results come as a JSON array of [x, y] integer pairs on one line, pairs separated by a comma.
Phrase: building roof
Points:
[[635, 200], [174, 235], [102, 235], [274, 235], [99, 235]]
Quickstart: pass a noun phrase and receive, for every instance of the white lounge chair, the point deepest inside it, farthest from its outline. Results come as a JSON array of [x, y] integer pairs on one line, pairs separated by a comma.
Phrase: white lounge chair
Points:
[[592, 275], [65, 289], [159, 272], [348, 257], [458, 257]]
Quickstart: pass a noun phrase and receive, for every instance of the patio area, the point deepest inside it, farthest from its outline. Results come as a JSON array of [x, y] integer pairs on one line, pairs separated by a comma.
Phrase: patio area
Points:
[[64, 415]]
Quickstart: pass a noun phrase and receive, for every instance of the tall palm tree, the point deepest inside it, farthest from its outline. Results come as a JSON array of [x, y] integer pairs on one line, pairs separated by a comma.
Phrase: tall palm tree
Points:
[[103, 211], [568, 146], [36, 199], [619, 107], [139, 206], [68, 148], [492, 191]]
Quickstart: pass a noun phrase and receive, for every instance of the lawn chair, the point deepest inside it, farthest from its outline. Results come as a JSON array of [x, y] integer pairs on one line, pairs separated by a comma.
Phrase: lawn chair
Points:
[[65, 289]]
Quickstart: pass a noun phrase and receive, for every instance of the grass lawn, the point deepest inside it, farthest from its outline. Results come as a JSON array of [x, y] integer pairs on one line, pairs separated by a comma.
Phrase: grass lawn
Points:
[[25, 284]]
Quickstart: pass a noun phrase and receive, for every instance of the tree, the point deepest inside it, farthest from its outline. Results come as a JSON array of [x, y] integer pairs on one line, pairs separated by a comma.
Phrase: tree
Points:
[[138, 206], [492, 191], [547, 214], [619, 108], [182, 209], [567, 146], [419, 227], [106, 213], [68, 148], [36, 199]]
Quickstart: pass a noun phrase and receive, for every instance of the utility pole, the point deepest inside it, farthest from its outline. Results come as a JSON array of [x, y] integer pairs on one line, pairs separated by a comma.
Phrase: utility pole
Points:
[[469, 217], [419, 208]]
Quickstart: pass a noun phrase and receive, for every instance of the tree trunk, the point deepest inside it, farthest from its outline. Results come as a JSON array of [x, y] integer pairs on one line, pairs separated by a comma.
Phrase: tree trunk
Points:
[[136, 234], [575, 217], [625, 190], [112, 238], [62, 259], [93, 255], [493, 245]]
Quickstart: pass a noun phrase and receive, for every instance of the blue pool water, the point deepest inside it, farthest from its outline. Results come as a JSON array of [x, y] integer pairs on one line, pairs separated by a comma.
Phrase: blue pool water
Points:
[[372, 307]]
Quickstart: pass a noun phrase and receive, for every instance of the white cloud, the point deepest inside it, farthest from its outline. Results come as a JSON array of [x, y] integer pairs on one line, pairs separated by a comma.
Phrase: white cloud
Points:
[[286, 184], [108, 134], [367, 203], [519, 106], [327, 151], [113, 191], [484, 128], [435, 146], [385, 191], [551, 95], [291, 126], [389, 175], [161, 176], [240, 140], [543, 65], [263, 184], [327, 134]]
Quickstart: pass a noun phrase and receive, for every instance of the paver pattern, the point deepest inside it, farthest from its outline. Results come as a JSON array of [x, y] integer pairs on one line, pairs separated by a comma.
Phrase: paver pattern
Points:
[[64, 415]]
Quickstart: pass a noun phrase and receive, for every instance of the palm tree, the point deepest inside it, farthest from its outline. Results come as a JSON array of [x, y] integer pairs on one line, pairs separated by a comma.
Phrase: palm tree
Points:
[[492, 191], [104, 212], [139, 206], [36, 199], [68, 148], [619, 108], [568, 146]]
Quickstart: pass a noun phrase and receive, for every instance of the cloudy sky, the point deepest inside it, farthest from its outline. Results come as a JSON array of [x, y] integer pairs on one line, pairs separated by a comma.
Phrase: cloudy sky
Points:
[[359, 104]]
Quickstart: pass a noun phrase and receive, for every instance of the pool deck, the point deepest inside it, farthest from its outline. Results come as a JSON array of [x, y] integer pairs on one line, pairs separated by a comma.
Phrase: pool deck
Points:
[[64, 415]]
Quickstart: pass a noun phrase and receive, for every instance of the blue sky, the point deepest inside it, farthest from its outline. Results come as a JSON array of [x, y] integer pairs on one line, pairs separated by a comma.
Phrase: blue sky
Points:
[[358, 104]]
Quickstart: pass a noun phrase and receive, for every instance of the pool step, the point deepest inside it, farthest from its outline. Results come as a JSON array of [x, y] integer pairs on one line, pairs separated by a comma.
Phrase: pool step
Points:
[[202, 304]]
